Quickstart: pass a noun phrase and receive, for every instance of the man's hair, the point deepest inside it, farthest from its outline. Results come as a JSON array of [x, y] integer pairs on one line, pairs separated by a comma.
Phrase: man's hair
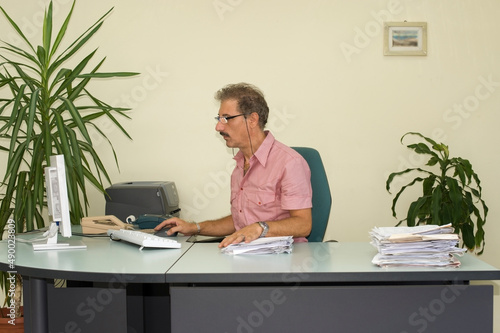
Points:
[[250, 99]]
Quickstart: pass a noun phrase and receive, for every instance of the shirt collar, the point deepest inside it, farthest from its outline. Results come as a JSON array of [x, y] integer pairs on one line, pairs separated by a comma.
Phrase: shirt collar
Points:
[[262, 153]]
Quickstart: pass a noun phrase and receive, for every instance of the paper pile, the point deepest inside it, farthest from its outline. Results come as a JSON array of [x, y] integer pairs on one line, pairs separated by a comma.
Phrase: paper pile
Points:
[[265, 245], [429, 245]]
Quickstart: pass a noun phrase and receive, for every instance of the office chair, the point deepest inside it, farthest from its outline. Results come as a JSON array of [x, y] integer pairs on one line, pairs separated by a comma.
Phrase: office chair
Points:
[[321, 198]]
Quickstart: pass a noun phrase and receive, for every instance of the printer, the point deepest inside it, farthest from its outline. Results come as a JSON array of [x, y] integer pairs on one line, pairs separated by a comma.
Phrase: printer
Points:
[[127, 201]]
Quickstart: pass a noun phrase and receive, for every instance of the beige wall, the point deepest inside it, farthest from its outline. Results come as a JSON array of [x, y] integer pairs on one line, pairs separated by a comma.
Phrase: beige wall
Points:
[[327, 82]]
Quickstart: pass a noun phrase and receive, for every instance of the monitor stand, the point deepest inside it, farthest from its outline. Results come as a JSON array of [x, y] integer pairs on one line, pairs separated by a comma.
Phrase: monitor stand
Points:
[[52, 244]]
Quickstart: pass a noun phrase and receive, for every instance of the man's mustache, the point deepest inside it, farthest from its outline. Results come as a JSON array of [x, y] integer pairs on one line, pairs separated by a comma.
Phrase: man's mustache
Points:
[[223, 134]]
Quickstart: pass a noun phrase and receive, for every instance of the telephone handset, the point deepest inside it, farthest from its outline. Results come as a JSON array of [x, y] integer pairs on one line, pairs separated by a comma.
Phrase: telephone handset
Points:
[[101, 224], [149, 221]]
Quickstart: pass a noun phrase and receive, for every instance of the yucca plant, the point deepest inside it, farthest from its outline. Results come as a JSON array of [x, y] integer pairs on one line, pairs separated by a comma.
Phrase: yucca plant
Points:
[[46, 108], [452, 195]]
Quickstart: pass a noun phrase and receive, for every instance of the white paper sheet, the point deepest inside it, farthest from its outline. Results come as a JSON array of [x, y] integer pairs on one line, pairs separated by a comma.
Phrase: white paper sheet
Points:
[[265, 245], [429, 245]]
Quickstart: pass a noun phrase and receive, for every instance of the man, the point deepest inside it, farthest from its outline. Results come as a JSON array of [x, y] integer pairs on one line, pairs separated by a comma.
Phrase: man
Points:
[[270, 185]]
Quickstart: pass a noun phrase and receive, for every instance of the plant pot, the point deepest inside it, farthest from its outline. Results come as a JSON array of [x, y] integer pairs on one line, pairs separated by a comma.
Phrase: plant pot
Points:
[[5, 322]]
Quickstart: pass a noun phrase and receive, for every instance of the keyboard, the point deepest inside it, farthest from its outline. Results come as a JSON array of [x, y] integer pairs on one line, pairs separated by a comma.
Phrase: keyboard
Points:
[[143, 239]]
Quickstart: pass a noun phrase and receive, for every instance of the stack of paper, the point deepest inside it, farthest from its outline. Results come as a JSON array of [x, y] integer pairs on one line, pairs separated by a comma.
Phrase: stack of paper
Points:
[[265, 245], [429, 245]]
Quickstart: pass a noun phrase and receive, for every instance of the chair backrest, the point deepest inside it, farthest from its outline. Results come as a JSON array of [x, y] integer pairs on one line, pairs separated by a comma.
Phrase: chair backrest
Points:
[[321, 198]]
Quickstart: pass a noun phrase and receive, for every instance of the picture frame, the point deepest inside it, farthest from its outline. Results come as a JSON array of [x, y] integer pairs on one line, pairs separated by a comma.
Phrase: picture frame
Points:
[[405, 38]]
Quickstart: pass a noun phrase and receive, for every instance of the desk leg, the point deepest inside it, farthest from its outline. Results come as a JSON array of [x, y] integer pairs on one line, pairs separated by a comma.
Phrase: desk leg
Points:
[[35, 305]]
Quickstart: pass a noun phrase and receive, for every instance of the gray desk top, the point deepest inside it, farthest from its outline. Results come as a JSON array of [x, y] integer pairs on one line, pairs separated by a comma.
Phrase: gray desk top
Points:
[[311, 263], [103, 260]]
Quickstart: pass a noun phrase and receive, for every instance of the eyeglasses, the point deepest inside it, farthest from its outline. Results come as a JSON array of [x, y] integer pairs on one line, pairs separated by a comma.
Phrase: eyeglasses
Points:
[[224, 119]]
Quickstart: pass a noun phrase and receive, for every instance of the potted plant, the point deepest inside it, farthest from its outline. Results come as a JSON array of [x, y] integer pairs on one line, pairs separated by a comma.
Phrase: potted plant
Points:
[[46, 108], [450, 194]]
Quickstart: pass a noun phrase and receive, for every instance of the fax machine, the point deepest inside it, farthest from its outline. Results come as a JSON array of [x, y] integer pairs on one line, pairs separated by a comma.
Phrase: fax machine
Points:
[[128, 201]]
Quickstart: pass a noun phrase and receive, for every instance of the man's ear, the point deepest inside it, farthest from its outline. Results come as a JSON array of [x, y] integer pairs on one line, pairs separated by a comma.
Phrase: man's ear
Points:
[[253, 119]]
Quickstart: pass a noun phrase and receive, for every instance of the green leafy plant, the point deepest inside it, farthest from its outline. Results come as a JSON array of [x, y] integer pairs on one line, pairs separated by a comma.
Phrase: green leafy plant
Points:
[[46, 108], [452, 195], [49, 112]]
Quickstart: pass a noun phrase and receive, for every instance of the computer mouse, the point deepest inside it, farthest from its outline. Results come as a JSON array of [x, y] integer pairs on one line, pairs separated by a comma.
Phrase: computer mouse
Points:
[[163, 233]]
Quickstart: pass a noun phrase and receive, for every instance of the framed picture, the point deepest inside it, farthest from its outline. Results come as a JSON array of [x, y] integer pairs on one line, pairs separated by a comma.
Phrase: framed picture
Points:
[[405, 38]]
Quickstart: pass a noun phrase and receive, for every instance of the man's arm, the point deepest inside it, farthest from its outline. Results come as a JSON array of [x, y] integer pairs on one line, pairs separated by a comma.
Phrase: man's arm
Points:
[[220, 227], [299, 224]]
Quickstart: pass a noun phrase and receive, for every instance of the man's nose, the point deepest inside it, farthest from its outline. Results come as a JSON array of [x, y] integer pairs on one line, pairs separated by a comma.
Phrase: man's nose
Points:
[[219, 126]]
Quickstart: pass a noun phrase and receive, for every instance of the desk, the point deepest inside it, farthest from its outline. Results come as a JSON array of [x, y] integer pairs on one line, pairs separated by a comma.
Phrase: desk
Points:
[[113, 264], [325, 286]]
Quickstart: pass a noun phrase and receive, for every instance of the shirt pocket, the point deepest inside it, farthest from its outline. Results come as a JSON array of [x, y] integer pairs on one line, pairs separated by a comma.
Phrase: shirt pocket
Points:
[[261, 198]]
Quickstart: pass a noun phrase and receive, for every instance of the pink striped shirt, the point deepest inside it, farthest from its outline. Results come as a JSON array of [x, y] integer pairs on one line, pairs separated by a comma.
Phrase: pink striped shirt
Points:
[[278, 180]]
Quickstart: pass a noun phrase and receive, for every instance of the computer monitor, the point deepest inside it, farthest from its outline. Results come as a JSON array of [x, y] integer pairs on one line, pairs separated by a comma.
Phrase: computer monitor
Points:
[[58, 206], [57, 194]]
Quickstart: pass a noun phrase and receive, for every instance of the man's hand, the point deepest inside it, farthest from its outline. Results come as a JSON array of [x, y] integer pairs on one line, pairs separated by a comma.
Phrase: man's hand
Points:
[[178, 225], [246, 234]]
